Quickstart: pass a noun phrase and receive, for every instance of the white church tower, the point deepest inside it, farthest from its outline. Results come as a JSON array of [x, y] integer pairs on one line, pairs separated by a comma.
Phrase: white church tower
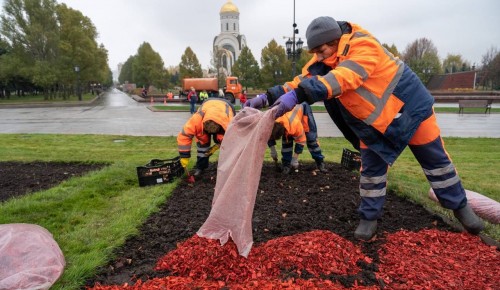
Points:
[[229, 42]]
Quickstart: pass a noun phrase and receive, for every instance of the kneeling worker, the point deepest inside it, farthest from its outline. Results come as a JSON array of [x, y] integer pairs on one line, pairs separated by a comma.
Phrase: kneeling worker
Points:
[[211, 120], [297, 125]]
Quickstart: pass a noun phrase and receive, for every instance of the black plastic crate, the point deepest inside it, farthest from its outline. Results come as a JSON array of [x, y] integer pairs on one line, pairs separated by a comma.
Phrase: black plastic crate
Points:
[[159, 171], [351, 160]]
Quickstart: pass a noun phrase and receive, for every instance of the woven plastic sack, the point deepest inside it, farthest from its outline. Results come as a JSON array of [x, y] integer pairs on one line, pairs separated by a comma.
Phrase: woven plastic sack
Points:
[[483, 206], [238, 174], [29, 257]]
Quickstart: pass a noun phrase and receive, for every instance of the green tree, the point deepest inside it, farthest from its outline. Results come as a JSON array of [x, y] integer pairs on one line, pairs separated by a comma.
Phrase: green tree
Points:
[[78, 47], [127, 73], [190, 67], [454, 63], [31, 28], [246, 68], [148, 67], [422, 57], [276, 68]]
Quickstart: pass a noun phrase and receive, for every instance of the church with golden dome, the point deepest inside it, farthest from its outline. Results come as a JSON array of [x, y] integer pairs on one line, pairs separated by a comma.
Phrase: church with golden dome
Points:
[[229, 42]]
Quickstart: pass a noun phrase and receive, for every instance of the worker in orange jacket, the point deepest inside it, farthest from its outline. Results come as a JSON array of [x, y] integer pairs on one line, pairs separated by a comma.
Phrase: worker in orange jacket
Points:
[[296, 126], [381, 106], [210, 121]]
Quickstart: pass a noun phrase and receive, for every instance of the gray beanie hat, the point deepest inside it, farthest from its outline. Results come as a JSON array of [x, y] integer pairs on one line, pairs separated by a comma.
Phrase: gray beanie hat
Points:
[[322, 30]]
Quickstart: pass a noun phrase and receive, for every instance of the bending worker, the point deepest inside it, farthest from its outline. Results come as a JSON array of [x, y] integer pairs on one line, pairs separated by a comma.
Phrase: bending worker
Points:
[[210, 121], [384, 104], [297, 125]]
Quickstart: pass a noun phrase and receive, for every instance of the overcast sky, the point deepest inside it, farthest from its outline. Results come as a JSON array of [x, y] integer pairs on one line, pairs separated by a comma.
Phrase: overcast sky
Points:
[[465, 27]]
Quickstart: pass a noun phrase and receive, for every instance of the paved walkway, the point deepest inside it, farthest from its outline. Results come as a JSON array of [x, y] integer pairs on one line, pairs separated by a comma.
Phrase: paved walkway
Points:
[[117, 114]]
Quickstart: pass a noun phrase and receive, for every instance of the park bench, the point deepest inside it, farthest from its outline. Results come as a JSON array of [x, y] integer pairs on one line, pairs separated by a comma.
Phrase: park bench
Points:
[[486, 104]]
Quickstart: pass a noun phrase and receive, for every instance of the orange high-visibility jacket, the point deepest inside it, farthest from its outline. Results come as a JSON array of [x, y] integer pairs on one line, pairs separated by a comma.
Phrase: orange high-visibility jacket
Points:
[[217, 110], [294, 124]]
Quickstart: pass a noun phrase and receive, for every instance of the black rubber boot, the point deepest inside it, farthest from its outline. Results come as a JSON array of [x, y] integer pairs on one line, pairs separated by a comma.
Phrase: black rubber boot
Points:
[[286, 169], [197, 172], [365, 230], [322, 167], [469, 220]]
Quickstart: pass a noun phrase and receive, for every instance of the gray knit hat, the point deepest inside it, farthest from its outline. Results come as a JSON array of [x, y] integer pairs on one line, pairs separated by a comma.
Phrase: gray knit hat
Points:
[[322, 30]]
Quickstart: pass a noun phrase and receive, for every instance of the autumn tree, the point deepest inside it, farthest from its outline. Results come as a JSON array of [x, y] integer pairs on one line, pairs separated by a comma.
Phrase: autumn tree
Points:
[[454, 63], [216, 63], [246, 68], [190, 67], [491, 69], [422, 57], [276, 68]]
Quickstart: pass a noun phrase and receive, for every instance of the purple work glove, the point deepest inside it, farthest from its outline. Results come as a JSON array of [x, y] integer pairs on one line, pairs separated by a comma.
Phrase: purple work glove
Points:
[[259, 102], [285, 103]]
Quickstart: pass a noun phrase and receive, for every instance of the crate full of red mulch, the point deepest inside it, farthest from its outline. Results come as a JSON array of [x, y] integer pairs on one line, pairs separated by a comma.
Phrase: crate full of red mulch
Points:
[[159, 171]]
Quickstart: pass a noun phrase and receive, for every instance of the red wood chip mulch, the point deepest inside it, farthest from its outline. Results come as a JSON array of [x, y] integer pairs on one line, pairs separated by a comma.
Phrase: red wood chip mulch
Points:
[[201, 258], [429, 259], [432, 259]]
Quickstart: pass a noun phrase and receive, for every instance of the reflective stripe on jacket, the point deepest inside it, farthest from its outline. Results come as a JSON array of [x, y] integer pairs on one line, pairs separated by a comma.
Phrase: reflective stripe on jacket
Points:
[[217, 110]]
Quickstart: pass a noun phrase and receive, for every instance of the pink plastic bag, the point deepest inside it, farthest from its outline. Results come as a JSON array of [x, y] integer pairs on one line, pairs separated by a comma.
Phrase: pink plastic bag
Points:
[[483, 206], [29, 257], [238, 175]]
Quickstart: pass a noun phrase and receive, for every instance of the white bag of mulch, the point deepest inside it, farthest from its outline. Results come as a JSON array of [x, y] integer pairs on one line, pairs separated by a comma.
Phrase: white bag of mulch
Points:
[[29, 257], [238, 174], [483, 206]]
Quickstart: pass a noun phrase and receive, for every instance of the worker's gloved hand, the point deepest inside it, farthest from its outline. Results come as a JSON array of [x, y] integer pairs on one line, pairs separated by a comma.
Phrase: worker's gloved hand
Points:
[[259, 102], [295, 163], [274, 153], [212, 150], [184, 162], [285, 103]]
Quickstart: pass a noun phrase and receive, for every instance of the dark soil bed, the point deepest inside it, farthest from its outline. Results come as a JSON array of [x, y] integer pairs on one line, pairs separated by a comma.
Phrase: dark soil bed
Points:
[[17, 178], [285, 206]]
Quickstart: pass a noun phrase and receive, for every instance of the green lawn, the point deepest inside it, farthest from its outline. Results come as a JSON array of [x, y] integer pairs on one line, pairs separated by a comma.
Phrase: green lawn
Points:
[[89, 216]]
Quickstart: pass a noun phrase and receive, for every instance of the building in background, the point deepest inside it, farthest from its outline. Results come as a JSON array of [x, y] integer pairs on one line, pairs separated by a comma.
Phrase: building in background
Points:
[[229, 43]]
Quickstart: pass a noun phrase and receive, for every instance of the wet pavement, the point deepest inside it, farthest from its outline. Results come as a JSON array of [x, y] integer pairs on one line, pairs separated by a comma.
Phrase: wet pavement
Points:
[[115, 113]]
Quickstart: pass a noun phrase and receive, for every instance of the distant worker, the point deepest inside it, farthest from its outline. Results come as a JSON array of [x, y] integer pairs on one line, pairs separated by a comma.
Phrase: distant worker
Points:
[[192, 98], [203, 96], [170, 95], [243, 98], [209, 122], [297, 125], [144, 92]]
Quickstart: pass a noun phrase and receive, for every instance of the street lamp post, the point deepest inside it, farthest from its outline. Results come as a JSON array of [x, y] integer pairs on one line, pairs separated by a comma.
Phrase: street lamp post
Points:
[[78, 92], [294, 48]]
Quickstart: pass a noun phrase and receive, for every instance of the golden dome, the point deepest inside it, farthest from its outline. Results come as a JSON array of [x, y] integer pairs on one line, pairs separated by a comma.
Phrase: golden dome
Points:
[[229, 7]]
